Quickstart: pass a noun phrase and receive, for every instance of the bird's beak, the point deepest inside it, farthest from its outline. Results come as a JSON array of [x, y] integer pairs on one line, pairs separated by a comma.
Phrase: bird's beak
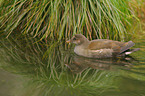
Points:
[[68, 41]]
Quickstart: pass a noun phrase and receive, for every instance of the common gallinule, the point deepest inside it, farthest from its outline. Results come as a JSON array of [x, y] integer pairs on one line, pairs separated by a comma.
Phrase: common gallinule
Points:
[[100, 48]]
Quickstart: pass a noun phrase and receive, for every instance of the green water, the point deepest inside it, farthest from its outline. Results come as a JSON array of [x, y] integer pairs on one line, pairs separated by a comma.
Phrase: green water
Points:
[[38, 69]]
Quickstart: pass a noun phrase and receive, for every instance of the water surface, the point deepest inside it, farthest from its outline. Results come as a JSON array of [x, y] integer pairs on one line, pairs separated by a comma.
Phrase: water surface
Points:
[[38, 69]]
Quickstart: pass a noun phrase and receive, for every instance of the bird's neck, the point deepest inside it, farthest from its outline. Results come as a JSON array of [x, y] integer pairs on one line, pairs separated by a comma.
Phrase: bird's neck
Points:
[[84, 44]]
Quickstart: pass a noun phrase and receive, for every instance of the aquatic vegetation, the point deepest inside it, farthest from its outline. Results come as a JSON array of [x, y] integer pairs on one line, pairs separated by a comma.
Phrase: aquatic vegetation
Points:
[[60, 19]]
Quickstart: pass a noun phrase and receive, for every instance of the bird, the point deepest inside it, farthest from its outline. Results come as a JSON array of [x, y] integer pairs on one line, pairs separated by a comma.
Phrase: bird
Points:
[[101, 48]]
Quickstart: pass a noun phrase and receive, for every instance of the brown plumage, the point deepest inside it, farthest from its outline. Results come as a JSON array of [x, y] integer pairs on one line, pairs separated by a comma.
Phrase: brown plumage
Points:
[[100, 48]]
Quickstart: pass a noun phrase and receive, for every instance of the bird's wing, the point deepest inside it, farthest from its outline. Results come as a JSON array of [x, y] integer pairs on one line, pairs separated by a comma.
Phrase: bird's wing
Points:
[[117, 46], [101, 44]]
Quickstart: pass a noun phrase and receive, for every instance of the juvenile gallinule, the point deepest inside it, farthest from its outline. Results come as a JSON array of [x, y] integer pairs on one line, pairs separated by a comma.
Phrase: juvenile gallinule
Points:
[[100, 48]]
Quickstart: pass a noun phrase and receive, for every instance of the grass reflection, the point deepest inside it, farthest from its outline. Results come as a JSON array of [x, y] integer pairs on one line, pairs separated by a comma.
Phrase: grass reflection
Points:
[[54, 71]]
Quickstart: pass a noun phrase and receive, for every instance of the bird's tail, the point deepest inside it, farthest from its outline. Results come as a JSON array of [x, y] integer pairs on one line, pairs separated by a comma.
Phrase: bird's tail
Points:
[[127, 46], [131, 50]]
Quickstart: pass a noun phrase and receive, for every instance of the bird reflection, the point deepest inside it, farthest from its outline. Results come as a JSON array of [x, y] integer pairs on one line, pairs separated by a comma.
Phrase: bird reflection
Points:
[[77, 64]]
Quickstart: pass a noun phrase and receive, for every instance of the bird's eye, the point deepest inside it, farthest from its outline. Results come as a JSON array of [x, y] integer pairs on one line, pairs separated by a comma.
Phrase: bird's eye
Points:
[[74, 39]]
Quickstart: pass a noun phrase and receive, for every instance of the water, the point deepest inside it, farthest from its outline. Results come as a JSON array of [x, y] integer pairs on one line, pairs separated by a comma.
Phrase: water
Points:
[[37, 69]]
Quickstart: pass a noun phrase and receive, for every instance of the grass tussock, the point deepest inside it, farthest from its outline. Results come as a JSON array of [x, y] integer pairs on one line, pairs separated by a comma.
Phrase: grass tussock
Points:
[[60, 19]]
